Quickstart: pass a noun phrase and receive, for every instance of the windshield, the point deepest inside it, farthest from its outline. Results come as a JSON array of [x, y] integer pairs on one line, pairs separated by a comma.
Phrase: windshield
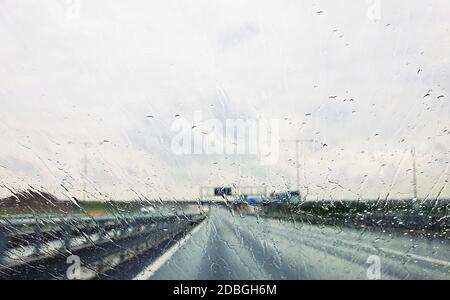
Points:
[[224, 140]]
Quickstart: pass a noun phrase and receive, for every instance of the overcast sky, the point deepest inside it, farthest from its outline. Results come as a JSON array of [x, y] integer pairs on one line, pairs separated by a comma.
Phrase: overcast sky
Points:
[[367, 80]]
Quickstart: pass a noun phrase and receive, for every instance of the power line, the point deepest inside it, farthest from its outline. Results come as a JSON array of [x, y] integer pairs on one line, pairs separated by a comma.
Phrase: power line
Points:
[[413, 154]]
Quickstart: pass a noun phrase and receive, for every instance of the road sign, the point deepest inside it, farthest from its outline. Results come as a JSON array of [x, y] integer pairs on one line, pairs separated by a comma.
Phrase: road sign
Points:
[[223, 191]]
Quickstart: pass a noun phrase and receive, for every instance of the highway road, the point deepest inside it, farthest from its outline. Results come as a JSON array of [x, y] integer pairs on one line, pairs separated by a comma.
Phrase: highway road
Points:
[[231, 246]]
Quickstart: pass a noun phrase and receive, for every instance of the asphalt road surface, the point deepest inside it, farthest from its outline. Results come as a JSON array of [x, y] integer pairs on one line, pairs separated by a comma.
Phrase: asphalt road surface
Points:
[[230, 246]]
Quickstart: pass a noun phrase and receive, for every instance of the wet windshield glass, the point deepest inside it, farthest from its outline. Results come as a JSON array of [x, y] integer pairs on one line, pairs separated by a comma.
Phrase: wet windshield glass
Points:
[[224, 139]]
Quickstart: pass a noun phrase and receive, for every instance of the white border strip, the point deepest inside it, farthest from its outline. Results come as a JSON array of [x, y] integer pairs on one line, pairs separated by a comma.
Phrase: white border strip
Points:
[[160, 261]]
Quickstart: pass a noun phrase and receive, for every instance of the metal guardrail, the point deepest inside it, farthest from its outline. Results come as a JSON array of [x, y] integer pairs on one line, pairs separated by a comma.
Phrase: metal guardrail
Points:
[[27, 240]]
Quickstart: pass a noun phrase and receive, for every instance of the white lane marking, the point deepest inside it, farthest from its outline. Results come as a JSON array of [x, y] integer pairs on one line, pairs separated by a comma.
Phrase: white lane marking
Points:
[[398, 253], [418, 257], [159, 262], [369, 247]]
